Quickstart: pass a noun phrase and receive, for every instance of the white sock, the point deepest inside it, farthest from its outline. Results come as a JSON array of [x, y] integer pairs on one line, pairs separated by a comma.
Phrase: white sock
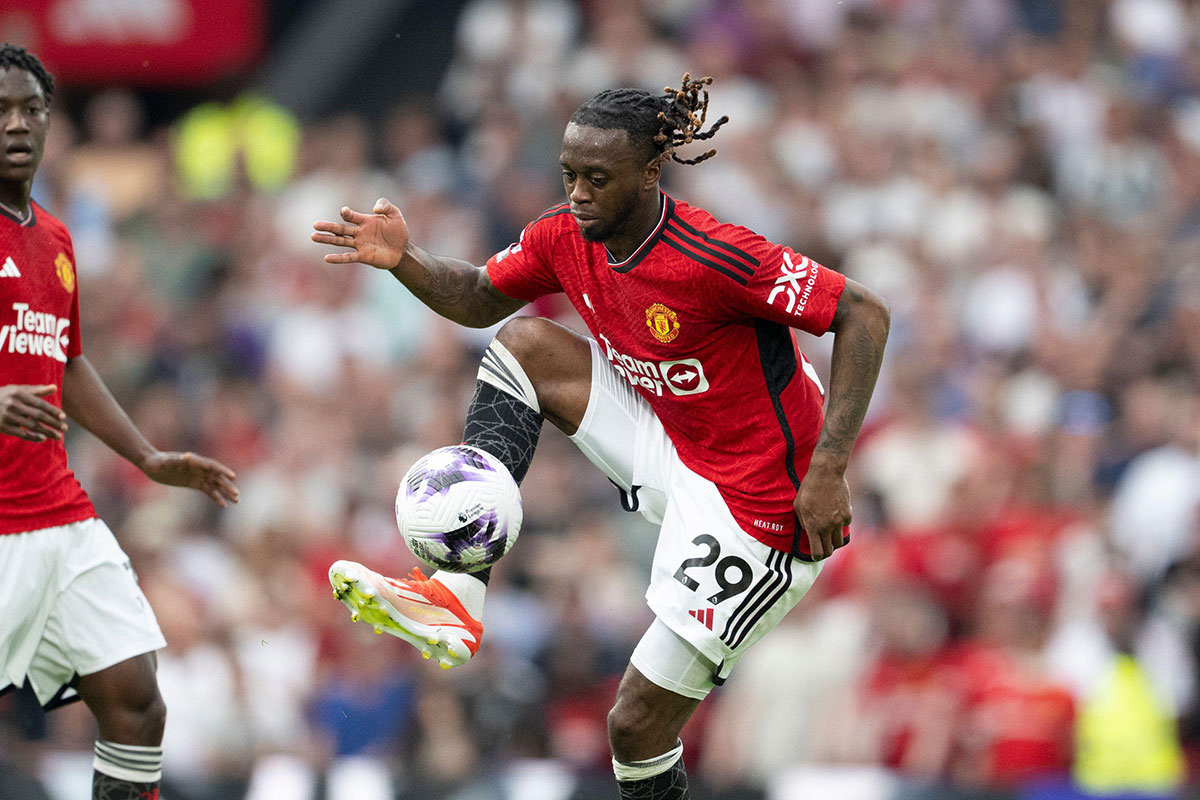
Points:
[[641, 770], [466, 587], [128, 762]]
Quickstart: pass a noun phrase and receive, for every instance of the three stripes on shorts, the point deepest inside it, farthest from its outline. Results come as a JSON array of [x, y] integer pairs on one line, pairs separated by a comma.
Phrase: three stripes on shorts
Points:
[[761, 597]]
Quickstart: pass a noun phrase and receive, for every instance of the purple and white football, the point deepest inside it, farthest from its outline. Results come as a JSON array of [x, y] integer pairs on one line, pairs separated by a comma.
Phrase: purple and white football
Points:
[[459, 509]]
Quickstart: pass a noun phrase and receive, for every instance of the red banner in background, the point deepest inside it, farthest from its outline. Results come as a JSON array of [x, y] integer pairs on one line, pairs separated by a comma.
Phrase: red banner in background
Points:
[[137, 42]]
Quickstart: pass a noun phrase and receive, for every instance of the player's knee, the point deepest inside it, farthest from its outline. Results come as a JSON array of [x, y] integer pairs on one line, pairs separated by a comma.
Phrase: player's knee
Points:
[[632, 728], [558, 363], [526, 338], [545, 348], [135, 716], [146, 713], [154, 718]]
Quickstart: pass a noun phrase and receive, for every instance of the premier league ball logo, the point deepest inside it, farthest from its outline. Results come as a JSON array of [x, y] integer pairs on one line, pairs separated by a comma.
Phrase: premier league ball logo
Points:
[[459, 509]]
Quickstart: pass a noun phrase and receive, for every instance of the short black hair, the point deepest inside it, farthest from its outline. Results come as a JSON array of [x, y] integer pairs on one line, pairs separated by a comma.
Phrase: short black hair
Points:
[[656, 123], [12, 55]]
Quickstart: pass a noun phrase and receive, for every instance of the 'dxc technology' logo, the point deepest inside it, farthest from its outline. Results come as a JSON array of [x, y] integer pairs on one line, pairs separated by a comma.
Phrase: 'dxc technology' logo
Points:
[[789, 285]]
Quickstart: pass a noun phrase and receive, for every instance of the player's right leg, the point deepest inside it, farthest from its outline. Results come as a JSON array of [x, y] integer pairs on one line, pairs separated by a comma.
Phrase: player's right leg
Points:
[[714, 594], [72, 608], [643, 731], [534, 369], [130, 715]]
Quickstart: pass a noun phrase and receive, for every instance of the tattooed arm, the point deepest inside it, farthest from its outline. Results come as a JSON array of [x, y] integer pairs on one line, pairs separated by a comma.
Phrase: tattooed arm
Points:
[[860, 330], [457, 290]]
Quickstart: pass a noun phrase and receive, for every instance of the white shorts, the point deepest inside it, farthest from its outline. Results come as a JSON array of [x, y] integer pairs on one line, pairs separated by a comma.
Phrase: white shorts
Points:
[[69, 606], [714, 589]]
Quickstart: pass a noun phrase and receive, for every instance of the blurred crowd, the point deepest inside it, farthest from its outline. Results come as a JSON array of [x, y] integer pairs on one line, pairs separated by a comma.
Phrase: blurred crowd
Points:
[[1018, 614]]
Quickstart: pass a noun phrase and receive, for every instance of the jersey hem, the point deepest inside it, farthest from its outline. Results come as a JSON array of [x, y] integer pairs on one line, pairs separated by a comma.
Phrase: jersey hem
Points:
[[795, 544], [41, 523]]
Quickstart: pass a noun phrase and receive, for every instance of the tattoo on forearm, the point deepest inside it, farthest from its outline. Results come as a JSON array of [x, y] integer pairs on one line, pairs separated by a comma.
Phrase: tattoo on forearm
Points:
[[857, 355], [445, 290], [456, 289], [495, 303]]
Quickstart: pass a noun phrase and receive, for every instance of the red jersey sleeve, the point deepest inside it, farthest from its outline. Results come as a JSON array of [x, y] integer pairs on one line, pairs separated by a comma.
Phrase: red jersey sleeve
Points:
[[75, 345], [523, 270], [790, 289]]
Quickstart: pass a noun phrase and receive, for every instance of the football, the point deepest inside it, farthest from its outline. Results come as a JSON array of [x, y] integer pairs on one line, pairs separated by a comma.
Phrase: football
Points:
[[459, 509]]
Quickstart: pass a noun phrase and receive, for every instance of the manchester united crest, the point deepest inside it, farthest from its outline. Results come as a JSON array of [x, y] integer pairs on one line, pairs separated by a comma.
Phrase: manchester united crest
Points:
[[66, 271], [662, 322]]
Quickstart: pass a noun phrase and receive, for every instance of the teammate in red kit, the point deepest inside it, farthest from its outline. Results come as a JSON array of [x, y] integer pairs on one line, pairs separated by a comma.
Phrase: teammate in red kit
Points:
[[690, 395], [73, 622]]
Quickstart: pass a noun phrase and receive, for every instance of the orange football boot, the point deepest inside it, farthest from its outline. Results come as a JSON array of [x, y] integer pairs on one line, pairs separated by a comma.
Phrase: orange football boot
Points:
[[419, 610]]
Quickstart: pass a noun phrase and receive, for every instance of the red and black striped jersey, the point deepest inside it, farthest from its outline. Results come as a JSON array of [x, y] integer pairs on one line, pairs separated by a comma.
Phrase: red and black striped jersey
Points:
[[39, 332], [698, 319]]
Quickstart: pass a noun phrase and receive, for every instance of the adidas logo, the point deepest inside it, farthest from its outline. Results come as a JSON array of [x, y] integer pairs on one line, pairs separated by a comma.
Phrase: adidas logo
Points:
[[704, 615], [9, 270]]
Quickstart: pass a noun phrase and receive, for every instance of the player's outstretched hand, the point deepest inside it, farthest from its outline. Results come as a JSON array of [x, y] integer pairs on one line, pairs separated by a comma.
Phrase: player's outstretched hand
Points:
[[823, 506], [24, 414], [194, 472], [377, 239]]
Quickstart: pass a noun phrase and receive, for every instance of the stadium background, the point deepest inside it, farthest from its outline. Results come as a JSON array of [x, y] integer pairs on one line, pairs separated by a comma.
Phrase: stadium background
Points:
[[1019, 612]]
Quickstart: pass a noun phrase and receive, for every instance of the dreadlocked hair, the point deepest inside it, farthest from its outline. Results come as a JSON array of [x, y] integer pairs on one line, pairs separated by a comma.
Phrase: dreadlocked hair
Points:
[[12, 55], [658, 123]]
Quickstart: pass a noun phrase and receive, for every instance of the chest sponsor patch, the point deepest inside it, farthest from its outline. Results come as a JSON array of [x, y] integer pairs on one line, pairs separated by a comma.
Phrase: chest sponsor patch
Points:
[[685, 376], [35, 333], [680, 377]]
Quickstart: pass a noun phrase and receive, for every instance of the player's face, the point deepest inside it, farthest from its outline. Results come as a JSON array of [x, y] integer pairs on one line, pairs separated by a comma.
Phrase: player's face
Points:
[[24, 117], [606, 180]]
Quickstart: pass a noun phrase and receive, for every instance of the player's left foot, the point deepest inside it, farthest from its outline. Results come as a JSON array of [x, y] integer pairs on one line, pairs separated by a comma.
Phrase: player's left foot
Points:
[[419, 610]]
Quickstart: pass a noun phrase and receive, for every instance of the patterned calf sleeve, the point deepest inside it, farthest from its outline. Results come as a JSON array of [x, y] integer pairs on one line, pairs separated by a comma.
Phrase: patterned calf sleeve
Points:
[[106, 787], [661, 778], [126, 772], [504, 418]]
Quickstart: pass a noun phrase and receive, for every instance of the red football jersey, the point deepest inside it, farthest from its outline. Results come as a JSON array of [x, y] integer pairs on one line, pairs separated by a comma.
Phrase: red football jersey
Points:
[[698, 320], [39, 331]]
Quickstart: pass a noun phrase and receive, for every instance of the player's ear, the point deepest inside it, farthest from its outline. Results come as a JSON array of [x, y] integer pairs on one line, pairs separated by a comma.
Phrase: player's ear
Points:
[[651, 174]]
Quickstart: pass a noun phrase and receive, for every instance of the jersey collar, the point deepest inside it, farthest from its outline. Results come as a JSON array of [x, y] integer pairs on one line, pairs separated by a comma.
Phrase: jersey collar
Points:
[[668, 210], [26, 221]]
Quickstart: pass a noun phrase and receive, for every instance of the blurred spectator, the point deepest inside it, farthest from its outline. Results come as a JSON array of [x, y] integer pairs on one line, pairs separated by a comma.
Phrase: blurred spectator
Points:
[[1123, 671], [903, 709], [1017, 723], [1155, 512], [115, 160], [202, 680]]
